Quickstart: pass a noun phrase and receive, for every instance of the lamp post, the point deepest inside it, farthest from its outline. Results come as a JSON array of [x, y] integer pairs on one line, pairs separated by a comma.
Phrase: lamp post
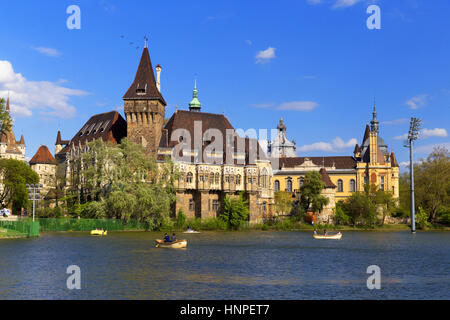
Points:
[[412, 135], [34, 194]]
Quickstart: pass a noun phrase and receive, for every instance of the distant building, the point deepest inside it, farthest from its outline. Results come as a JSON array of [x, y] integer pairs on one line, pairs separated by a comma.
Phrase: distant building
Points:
[[371, 163], [10, 148], [281, 147], [44, 164]]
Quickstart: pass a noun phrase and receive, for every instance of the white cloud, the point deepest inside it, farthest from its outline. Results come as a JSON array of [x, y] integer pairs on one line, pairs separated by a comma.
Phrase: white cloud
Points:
[[289, 106], [298, 106], [50, 98], [265, 56], [249, 42], [50, 52], [345, 3], [437, 132], [426, 133], [417, 101], [336, 145]]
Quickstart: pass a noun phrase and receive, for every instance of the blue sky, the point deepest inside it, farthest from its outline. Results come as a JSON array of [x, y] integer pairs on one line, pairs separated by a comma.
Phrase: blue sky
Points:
[[312, 62]]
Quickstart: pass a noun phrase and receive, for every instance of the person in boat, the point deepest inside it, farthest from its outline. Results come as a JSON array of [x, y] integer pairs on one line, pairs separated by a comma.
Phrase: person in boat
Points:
[[315, 231], [174, 237], [189, 228], [166, 238], [325, 233]]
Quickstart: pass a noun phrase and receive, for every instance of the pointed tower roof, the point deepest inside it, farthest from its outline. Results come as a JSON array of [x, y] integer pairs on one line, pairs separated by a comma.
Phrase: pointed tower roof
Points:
[[22, 140], [58, 138], [195, 104], [366, 134], [394, 162], [43, 156], [357, 149], [374, 123], [326, 179], [144, 84], [7, 105]]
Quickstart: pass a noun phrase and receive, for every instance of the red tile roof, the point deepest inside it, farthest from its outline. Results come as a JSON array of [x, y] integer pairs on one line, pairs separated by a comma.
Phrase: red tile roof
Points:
[[326, 179], [43, 156]]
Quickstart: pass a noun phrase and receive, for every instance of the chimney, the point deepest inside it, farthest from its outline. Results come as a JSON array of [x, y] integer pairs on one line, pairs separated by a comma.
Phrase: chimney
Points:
[[158, 77]]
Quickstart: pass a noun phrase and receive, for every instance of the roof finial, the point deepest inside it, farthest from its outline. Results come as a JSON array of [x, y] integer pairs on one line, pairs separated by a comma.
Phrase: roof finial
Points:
[[145, 41], [195, 104]]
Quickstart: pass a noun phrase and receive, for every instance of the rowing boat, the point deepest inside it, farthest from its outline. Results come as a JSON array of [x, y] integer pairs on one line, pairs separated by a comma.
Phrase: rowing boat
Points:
[[332, 236], [99, 232], [191, 231], [176, 244]]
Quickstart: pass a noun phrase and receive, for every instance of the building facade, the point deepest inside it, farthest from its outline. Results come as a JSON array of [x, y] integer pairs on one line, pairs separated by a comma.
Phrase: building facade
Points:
[[44, 164], [372, 163], [10, 148]]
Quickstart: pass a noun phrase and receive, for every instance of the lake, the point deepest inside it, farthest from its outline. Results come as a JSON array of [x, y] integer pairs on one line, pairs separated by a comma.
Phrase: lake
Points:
[[227, 265]]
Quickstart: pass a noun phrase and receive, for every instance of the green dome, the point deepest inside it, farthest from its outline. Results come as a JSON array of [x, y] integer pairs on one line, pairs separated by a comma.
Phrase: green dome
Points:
[[195, 104]]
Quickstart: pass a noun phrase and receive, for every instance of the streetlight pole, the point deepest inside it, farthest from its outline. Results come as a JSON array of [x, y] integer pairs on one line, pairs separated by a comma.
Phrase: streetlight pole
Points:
[[34, 194], [412, 135]]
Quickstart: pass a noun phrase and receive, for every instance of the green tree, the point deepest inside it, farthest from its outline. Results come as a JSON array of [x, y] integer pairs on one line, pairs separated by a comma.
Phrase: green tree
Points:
[[340, 217], [386, 202], [432, 182], [5, 118], [360, 208], [15, 174], [283, 202], [235, 212], [311, 197]]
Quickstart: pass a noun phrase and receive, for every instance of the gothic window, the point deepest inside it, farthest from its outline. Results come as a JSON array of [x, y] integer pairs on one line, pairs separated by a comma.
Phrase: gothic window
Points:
[[366, 180], [277, 185], [382, 183], [191, 205], [189, 177], [215, 205], [264, 178], [289, 184], [340, 186], [227, 178], [231, 178], [217, 178], [211, 178], [352, 185], [238, 179]]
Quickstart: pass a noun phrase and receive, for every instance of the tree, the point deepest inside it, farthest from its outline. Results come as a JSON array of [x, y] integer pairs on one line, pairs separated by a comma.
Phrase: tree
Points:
[[5, 118], [432, 182], [283, 202], [235, 211], [360, 208], [311, 192], [15, 175], [126, 181], [386, 202]]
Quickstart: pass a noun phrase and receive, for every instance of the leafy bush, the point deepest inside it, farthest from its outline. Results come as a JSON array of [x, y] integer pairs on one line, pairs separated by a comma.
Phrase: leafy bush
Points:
[[181, 219], [422, 219], [340, 217], [235, 212]]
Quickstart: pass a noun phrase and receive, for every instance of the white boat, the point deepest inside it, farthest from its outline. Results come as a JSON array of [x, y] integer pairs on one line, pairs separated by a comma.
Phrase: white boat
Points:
[[331, 236], [191, 231]]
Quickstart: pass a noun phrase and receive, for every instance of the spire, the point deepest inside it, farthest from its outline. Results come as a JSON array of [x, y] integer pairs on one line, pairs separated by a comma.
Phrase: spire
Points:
[[366, 134], [374, 123], [7, 104], [144, 84], [195, 104], [58, 138], [22, 140]]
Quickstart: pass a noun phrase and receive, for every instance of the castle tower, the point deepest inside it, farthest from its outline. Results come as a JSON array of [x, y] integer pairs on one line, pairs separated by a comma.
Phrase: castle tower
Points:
[[144, 107], [195, 104], [373, 135]]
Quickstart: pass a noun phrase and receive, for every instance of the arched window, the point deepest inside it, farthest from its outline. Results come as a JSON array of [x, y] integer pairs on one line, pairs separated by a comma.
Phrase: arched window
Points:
[[189, 177], [340, 186], [289, 184], [264, 177], [277, 185], [238, 179], [211, 178], [352, 185]]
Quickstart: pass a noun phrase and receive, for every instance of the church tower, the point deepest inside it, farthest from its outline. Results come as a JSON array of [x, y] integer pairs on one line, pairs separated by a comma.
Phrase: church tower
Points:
[[144, 106]]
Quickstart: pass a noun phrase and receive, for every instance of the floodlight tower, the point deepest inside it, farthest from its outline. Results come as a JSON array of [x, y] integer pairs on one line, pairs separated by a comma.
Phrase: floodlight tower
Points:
[[413, 134], [34, 191]]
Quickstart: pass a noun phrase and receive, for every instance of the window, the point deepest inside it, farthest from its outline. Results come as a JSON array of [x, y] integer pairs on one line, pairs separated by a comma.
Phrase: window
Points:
[[393, 189], [191, 205], [352, 185], [382, 183], [202, 178], [264, 207], [238, 179], [289, 185], [227, 178], [301, 180], [340, 186], [264, 178], [277, 185], [231, 178], [189, 177], [211, 178], [217, 178], [365, 180], [215, 205]]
